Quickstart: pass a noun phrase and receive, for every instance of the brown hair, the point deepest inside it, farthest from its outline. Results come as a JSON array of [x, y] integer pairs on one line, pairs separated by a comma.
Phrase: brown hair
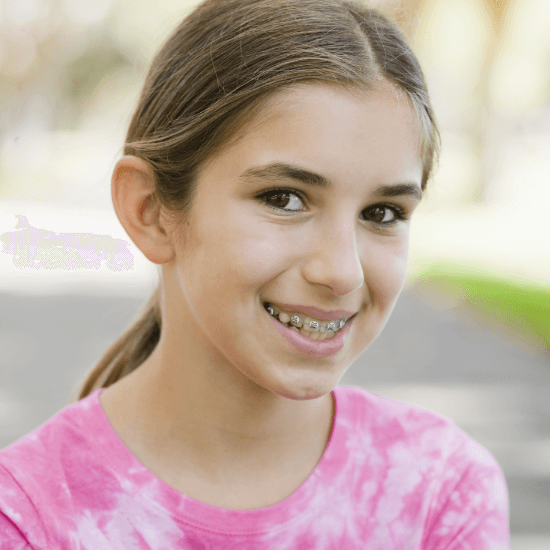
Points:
[[217, 69]]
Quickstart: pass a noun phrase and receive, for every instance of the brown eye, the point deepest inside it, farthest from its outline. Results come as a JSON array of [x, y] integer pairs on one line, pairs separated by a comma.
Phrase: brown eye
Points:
[[284, 201], [280, 200], [383, 215], [378, 214]]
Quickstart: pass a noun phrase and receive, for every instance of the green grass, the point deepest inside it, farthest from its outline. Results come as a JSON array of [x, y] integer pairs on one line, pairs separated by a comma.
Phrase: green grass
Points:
[[523, 305]]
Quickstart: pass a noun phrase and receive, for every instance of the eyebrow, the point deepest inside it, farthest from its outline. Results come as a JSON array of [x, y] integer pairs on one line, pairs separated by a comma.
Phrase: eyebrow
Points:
[[400, 189], [280, 170]]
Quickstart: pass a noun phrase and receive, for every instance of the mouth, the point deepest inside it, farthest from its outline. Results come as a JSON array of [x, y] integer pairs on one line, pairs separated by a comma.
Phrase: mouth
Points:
[[314, 329]]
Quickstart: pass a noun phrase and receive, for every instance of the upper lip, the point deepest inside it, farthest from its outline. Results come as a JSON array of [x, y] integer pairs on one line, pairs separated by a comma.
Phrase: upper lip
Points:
[[317, 313]]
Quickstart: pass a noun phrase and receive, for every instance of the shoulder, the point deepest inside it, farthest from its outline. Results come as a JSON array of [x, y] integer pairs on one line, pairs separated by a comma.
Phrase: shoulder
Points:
[[39, 471], [389, 421], [388, 424], [54, 440], [426, 454]]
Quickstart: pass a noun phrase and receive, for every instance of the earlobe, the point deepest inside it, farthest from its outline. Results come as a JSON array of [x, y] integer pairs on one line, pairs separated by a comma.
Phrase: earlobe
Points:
[[132, 188]]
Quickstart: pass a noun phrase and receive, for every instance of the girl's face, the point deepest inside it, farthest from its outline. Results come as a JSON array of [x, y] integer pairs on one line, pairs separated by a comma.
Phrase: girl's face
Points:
[[309, 207]]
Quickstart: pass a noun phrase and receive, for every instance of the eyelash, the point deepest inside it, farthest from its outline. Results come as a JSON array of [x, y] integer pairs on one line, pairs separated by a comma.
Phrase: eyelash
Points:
[[398, 212]]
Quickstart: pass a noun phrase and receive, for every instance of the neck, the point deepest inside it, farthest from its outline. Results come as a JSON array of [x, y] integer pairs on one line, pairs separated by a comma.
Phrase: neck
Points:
[[189, 416]]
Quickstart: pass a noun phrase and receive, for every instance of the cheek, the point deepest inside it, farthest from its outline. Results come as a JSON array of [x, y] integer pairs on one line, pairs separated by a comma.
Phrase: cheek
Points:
[[386, 271], [259, 253], [232, 247]]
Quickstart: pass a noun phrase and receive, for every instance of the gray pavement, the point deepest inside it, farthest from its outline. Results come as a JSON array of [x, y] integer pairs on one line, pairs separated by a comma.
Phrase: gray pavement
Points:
[[434, 352]]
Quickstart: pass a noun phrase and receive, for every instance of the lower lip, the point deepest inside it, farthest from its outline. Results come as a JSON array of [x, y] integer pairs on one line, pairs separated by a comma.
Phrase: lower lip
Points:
[[312, 348]]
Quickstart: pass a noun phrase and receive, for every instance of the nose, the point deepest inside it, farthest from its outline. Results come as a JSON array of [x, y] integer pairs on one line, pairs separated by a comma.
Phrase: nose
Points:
[[333, 260]]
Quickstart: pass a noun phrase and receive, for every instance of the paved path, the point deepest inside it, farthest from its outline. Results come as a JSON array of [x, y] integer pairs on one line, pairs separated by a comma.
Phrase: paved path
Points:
[[432, 353]]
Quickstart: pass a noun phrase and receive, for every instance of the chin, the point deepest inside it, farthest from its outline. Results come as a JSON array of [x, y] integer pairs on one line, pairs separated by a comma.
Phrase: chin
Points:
[[305, 390]]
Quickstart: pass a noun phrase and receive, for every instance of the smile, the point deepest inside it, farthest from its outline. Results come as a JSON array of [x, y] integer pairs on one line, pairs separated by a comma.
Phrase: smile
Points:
[[309, 327]]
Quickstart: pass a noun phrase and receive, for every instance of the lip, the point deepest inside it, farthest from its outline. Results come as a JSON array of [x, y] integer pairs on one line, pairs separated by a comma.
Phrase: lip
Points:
[[317, 313], [309, 347]]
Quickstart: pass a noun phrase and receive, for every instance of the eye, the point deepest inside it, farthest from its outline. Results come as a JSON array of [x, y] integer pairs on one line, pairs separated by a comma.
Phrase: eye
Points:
[[285, 200], [383, 214]]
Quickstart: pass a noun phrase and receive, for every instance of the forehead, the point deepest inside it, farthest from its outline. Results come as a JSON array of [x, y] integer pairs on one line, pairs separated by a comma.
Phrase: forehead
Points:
[[384, 100], [338, 132]]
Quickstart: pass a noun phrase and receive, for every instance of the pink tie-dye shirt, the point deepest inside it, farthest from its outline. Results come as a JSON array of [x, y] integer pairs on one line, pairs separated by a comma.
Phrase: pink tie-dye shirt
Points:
[[393, 477]]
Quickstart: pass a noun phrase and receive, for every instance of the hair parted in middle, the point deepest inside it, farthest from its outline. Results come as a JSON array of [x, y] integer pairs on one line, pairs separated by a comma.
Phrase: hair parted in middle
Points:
[[217, 70]]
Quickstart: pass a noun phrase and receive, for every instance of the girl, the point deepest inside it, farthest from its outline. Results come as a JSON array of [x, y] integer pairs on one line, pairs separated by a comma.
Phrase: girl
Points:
[[271, 168]]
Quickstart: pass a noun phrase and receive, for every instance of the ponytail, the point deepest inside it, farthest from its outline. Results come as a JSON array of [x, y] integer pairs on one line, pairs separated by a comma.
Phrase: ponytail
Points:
[[127, 353]]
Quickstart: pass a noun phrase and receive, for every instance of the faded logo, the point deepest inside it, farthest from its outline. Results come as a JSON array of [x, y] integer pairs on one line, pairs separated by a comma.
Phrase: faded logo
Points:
[[35, 248]]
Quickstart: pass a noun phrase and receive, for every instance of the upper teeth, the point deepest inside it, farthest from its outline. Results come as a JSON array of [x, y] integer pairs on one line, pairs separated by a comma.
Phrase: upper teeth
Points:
[[299, 319]]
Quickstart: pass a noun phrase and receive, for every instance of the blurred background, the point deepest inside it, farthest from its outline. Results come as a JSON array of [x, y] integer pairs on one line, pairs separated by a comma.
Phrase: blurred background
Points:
[[470, 337]]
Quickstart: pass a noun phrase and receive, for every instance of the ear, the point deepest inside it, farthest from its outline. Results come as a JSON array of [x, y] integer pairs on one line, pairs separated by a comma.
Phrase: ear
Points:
[[132, 187]]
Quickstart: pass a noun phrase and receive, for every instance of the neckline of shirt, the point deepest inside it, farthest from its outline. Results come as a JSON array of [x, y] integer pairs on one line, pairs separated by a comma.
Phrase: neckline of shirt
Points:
[[136, 478]]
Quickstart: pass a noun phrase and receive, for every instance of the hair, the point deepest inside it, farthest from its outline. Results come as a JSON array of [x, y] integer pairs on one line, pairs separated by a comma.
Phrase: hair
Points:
[[216, 71]]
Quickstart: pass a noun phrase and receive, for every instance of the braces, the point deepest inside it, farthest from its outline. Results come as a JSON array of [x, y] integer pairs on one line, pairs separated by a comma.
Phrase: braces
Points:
[[297, 322]]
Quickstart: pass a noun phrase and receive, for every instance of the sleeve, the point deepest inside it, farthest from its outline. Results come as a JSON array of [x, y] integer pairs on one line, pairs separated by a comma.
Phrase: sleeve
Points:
[[11, 537], [19, 520], [471, 510]]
